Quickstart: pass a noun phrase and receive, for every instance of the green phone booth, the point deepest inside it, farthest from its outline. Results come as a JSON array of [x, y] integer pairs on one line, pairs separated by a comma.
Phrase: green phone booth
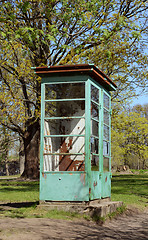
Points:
[[75, 152]]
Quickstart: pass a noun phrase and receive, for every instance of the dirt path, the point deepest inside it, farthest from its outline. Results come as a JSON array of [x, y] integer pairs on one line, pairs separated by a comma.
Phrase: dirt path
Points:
[[130, 227]]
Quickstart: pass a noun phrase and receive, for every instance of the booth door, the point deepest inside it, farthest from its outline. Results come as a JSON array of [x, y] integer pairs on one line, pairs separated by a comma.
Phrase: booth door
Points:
[[63, 142], [106, 173], [95, 141]]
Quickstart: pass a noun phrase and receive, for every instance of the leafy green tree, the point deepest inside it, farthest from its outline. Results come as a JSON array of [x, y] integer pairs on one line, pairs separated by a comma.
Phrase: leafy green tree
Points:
[[4, 147], [50, 32], [141, 109], [130, 140]]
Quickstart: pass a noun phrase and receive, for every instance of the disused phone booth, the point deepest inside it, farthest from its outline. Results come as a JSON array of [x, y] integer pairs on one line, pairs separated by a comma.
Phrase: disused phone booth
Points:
[[75, 152]]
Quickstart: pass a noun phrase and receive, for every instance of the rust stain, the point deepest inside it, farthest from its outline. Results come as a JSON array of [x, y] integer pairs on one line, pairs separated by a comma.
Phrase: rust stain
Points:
[[70, 143], [89, 190], [70, 174], [106, 179], [66, 161], [44, 175], [95, 184]]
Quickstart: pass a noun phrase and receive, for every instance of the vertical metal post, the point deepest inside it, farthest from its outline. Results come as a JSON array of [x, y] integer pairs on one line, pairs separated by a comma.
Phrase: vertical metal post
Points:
[[101, 131], [42, 131], [88, 133]]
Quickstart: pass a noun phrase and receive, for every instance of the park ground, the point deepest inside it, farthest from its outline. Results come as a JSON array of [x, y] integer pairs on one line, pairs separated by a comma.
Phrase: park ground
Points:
[[20, 219]]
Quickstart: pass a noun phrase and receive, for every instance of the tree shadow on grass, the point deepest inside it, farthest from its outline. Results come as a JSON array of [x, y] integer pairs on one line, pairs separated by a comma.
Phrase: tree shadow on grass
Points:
[[19, 204]]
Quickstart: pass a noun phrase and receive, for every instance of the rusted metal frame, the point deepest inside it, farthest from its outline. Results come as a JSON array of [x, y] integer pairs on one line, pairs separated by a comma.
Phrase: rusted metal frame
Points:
[[65, 100]]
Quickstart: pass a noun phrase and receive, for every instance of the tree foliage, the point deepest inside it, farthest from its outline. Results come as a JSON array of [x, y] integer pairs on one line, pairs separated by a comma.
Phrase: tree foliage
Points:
[[109, 33], [130, 139]]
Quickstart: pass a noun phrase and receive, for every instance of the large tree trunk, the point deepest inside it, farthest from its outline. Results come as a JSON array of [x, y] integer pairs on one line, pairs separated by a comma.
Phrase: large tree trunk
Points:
[[31, 150]]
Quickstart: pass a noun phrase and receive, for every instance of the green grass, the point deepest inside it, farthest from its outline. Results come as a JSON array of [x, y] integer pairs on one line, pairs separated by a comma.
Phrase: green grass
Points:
[[20, 198], [35, 212], [131, 189], [19, 191]]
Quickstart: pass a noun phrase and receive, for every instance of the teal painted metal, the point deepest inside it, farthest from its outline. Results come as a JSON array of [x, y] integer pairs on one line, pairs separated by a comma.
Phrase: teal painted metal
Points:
[[41, 138], [76, 185], [87, 135], [106, 175], [95, 192], [64, 187]]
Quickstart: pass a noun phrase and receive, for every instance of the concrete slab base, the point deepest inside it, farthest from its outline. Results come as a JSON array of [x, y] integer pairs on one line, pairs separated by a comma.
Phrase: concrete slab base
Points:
[[100, 207]]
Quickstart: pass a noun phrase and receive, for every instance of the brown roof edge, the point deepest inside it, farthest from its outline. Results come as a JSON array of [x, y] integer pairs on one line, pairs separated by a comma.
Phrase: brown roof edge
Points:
[[90, 68]]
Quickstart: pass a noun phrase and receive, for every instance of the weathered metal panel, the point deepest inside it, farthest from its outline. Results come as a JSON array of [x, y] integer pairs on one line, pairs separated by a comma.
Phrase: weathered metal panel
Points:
[[106, 184], [95, 190], [71, 186]]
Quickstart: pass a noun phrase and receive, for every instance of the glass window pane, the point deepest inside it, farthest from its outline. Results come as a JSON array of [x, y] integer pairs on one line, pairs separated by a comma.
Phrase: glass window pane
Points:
[[106, 148], [94, 128], [106, 101], [65, 109], [60, 145], [106, 117], [106, 164], [94, 94], [94, 145], [94, 111], [64, 91], [94, 163], [106, 133], [74, 126], [64, 163]]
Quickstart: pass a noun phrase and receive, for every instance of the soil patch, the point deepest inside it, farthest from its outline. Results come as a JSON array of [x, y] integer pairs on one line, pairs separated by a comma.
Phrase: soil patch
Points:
[[130, 226]]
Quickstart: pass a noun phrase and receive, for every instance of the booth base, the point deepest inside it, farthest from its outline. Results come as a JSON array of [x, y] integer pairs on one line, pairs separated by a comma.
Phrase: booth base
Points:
[[100, 207]]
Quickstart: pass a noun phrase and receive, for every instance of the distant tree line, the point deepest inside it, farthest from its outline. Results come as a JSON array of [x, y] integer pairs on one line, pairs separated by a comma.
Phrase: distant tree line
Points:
[[130, 137]]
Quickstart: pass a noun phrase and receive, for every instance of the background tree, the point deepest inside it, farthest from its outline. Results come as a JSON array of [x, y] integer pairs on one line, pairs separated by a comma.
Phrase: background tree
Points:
[[50, 32], [130, 140], [8, 148]]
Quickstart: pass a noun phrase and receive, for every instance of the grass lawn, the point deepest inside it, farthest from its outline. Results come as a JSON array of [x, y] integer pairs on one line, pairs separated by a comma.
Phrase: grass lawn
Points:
[[131, 189], [19, 191], [23, 196]]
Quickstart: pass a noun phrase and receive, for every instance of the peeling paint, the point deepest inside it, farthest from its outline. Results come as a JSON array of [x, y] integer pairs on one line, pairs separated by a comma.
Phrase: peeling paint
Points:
[[44, 175], [95, 184]]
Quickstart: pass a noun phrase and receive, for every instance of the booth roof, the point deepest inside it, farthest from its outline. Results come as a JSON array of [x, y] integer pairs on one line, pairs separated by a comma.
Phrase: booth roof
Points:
[[89, 69]]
